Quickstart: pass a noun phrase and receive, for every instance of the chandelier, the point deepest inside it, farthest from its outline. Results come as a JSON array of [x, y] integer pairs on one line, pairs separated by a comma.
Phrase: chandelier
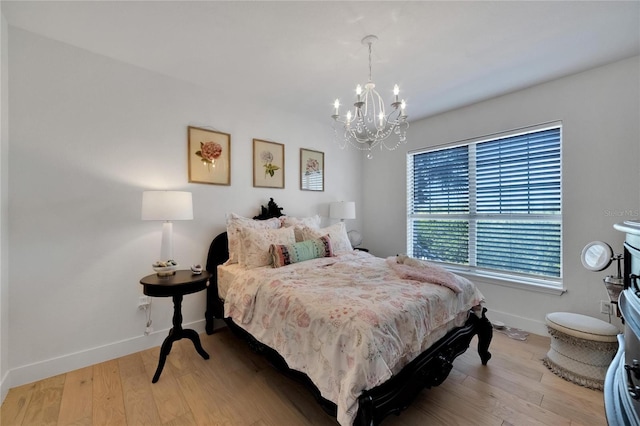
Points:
[[368, 126]]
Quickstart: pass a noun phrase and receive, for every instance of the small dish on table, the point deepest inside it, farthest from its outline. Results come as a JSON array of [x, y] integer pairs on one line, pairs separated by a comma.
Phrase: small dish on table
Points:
[[165, 268]]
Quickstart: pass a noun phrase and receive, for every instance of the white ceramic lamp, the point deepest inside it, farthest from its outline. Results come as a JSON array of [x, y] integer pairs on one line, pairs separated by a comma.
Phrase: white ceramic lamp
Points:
[[167, 206]]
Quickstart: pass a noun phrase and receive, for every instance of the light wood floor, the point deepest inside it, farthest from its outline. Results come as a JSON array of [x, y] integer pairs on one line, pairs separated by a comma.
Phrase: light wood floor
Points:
[[237, 387]]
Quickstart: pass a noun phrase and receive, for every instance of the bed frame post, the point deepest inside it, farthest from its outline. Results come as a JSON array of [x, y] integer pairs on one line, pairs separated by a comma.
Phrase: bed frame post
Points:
[[485, 334], [218, 254]]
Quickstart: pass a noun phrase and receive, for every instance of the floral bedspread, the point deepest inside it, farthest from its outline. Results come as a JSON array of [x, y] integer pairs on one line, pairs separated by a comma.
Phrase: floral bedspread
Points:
[[348, 322]]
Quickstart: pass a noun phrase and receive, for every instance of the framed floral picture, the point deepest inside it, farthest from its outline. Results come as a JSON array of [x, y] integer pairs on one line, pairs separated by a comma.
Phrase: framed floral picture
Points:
[[268, 164], [209, 156], [311, 170]]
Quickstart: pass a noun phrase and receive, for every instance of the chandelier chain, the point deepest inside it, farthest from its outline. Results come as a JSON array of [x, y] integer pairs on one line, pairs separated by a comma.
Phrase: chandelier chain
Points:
[[370, 78]]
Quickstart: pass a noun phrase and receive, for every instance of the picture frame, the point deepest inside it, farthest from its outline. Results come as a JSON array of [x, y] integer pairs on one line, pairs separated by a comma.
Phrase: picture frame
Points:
[[311, 170], [268, 164], [209, 156]]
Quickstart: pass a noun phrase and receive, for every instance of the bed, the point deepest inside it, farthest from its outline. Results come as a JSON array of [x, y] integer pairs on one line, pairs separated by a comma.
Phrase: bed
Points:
[[361, 338]]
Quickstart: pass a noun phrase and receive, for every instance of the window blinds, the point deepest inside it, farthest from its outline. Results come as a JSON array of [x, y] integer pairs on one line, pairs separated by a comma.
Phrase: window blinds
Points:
[[493, 204]]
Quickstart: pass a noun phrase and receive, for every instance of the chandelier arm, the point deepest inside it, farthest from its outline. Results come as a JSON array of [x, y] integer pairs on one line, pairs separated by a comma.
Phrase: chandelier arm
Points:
[[381, 112], [365, 107]]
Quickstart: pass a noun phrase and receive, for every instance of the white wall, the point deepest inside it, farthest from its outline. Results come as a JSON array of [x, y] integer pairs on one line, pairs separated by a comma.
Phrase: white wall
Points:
[[4, 213], [599, 110], [87, 135]]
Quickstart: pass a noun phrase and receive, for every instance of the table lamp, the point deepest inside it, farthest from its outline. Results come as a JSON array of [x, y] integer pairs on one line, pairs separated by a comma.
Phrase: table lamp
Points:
[[167, 206], [346, 210], [342, 210]]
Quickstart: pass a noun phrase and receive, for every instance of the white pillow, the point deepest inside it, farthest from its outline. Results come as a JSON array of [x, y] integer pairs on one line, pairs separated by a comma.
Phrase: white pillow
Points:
[[255, 244], [311, 221], [338, 234], [235, 223], [298, 223]]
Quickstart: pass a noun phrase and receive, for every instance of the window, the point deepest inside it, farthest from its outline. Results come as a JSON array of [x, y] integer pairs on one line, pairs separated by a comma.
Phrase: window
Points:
[[491, 206]]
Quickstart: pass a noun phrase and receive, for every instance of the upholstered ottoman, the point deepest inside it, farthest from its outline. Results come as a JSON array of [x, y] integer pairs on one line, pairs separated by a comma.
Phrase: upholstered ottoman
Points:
[[582, 348]]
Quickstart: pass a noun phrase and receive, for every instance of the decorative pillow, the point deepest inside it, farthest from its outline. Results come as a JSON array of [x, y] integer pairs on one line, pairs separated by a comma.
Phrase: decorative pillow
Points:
[[286, 254], [255, 244], [298, 223], [337, 232], [235, 223]]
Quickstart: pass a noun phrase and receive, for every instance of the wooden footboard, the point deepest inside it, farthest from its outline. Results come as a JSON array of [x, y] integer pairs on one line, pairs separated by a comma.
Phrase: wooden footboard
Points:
[[429, 369]]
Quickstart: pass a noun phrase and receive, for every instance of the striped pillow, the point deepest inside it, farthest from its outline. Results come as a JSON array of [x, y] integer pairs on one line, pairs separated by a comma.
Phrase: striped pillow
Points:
[[286, 254]]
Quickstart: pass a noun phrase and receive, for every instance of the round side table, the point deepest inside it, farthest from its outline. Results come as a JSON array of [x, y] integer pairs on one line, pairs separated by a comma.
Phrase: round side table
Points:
[[176, 286]]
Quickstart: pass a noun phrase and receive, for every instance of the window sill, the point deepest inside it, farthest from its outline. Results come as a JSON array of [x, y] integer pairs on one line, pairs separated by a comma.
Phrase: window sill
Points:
[[527, 284]]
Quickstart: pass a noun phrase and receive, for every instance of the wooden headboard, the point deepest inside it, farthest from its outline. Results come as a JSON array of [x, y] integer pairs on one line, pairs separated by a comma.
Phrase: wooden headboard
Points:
[[272, 210]]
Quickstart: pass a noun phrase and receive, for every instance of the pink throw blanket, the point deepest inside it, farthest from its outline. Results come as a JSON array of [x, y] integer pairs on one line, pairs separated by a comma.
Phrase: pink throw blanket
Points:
[[426, 272]]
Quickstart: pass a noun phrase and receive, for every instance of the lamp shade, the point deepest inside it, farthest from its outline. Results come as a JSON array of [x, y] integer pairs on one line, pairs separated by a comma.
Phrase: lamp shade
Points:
[[167, 205], [342, 210]]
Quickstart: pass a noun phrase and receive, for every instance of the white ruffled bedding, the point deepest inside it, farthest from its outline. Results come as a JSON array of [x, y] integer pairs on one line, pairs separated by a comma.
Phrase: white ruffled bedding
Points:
[[348, 322]]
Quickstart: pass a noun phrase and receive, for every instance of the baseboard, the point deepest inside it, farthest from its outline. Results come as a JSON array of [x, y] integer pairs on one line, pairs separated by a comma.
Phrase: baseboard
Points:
[[41, 370], [73, 361], [510, 320], [4, 387]]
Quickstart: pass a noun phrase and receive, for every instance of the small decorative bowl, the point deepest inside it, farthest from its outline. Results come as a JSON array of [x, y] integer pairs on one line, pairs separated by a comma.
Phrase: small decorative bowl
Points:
[[165, 271], [196, 269]]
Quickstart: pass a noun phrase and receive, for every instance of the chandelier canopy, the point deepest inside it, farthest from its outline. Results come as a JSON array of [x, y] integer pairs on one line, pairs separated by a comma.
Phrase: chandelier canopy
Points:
[[368, 125]]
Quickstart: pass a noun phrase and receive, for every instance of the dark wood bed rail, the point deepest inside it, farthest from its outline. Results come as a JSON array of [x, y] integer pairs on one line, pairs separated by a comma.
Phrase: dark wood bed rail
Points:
[[429, 369]]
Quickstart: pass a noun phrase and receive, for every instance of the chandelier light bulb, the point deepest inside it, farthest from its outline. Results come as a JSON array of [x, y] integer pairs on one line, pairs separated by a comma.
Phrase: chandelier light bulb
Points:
[[372, 126]]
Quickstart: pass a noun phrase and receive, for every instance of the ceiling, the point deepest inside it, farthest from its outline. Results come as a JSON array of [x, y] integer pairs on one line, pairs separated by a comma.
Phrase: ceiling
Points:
[[300, 56]]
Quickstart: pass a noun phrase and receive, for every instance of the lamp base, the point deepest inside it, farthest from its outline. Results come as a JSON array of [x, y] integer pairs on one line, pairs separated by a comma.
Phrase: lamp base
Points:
[[166, 247]]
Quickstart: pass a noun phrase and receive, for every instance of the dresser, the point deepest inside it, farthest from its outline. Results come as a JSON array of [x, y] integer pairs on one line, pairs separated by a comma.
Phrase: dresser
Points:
[[622, 382]]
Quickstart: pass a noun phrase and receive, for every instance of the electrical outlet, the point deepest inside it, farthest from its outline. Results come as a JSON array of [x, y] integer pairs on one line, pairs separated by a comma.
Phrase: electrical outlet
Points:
[[605, 307], [144, 302]]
